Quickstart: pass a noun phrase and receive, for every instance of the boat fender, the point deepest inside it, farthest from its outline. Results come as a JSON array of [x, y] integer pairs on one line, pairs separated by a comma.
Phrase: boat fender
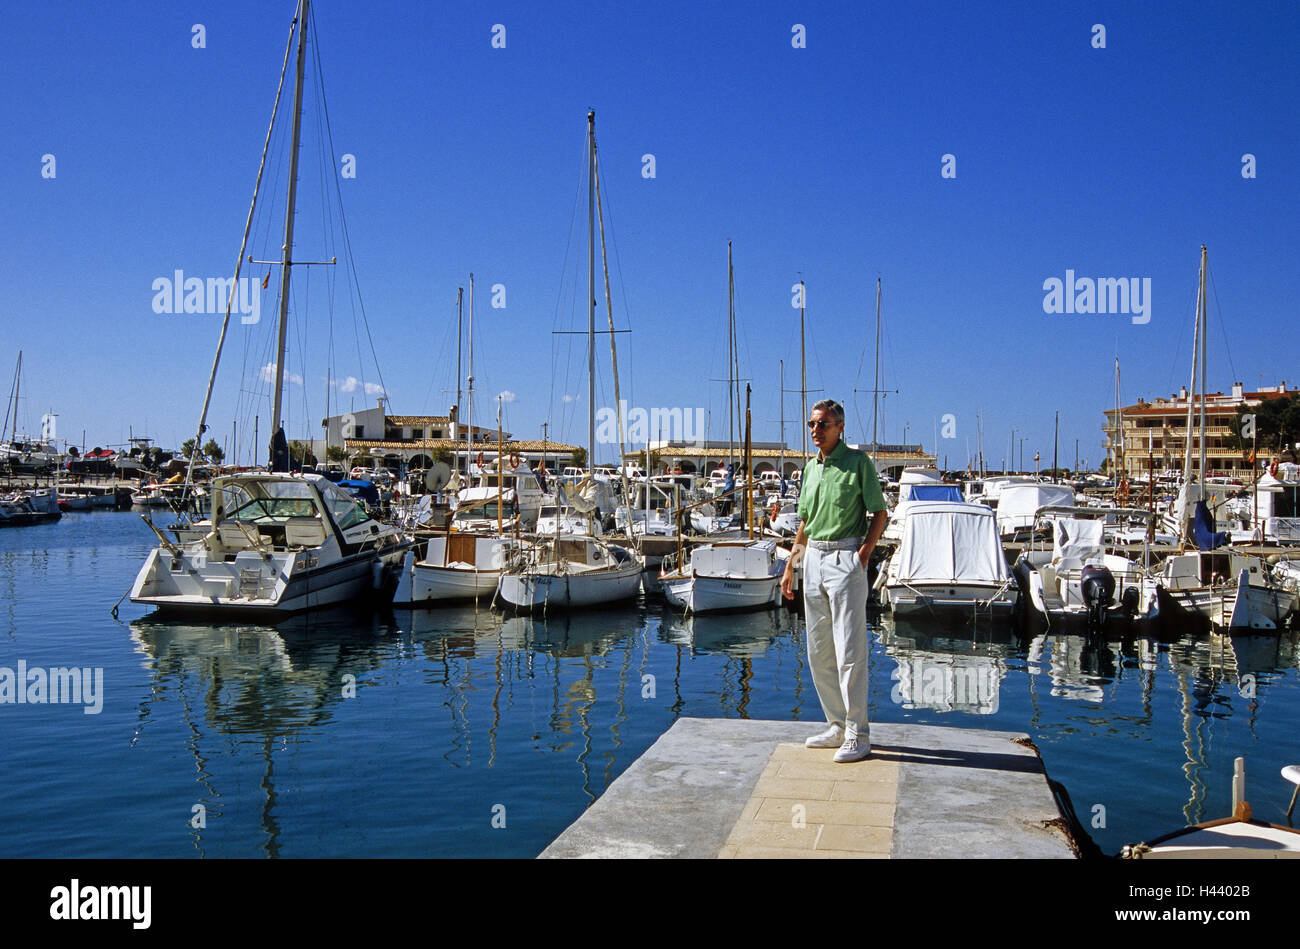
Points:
[[479, 461], [514, 459]]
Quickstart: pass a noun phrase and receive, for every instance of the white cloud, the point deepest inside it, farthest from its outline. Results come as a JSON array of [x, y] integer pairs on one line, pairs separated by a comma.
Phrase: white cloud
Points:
[[353, 384], [267, 374], [570, 398], [506, 396]]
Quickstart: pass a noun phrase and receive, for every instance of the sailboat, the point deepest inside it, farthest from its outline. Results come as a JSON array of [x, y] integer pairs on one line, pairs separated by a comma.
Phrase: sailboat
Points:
[[1229, 589], [277, 543], [727, 575], [564, 571]]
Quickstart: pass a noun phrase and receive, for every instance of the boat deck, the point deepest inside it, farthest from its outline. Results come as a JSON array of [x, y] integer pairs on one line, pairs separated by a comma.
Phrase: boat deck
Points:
[[725, 788]]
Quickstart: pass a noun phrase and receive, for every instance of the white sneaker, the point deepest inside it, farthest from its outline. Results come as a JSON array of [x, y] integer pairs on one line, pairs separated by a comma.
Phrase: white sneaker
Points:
[[833, 737], [854, 749]]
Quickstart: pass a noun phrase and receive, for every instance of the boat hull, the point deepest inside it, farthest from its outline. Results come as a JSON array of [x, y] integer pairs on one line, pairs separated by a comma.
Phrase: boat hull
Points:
[[705, 594], [545, 592]]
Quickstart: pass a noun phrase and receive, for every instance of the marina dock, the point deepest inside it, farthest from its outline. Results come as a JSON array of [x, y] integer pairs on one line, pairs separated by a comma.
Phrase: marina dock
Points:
[[726, 788]]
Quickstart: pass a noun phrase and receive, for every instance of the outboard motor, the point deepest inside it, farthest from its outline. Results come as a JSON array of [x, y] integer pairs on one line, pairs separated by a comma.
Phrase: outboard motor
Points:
[[1129, 601], [1097, 584]]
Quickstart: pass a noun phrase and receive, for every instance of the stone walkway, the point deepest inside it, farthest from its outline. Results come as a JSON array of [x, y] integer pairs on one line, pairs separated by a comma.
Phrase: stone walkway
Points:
[[735, 789]]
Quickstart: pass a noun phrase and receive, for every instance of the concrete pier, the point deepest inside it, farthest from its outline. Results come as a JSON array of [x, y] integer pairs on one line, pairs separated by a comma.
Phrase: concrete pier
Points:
[[726, 788]]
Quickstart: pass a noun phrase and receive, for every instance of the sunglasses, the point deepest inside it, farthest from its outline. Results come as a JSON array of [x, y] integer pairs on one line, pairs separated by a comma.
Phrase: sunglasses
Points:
[[820, 423]]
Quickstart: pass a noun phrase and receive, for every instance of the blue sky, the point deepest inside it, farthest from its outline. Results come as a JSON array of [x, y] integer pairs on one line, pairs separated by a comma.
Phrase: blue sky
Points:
[[822, 162]]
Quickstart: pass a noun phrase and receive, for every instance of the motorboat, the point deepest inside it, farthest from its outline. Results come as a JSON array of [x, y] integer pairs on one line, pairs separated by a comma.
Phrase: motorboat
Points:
[[278, 544], [1019, 504], [1077, 578], [25, 508], [949, 560]]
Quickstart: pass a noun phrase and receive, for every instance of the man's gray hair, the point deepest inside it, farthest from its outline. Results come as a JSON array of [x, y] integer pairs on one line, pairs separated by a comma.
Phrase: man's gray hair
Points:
[[831, 406]]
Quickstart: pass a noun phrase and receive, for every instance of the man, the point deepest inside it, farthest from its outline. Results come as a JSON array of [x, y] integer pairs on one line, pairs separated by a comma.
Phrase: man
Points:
[[838, 488]]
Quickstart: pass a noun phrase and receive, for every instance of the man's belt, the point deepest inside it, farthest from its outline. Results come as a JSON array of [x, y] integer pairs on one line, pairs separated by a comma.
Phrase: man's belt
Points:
[[844, 543]]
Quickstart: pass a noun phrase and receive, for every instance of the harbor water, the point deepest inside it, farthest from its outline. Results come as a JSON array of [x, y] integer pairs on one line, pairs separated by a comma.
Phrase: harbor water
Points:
[[459, 732]]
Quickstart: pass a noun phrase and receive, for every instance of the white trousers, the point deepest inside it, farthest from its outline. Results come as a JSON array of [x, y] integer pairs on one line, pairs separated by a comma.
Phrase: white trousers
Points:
[[835, 591]]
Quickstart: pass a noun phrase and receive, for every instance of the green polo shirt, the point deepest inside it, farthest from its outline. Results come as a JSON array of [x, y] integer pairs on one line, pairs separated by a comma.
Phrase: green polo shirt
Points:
[[836, 494]]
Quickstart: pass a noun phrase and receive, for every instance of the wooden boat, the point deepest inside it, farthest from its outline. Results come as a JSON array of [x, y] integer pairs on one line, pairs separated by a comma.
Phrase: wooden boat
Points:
[[726, 576], [456, 566], [1238, 837]]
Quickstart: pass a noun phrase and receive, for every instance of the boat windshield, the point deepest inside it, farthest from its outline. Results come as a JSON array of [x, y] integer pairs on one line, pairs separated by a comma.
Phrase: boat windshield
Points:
[[346, 510], [265, 502], [485, 509]]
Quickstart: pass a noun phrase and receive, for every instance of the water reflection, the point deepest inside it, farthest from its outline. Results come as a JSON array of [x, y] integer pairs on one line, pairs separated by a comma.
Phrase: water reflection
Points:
[[947, 669], [560, 705]]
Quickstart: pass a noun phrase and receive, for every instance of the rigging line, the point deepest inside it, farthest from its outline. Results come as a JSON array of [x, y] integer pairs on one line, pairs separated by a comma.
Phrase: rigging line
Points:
[[622, 285], [1219, 310], [1176, 354], [577, 197], [347, 240], [225, 323]]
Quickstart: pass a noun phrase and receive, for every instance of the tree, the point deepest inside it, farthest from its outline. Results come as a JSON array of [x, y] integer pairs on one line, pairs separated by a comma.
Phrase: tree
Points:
[[335, 453], [187, 448], [214, 451], [579, 458], [300, 455], [1277, 425]]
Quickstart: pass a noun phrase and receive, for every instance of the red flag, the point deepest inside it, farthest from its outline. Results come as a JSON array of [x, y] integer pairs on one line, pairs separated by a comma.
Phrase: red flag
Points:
[[266, 280]]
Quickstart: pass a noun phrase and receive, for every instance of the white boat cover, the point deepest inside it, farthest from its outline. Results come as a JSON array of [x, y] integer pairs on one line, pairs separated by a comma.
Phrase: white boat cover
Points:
[[916, 476], [950, 542], [1018, 503], [1076, 541]]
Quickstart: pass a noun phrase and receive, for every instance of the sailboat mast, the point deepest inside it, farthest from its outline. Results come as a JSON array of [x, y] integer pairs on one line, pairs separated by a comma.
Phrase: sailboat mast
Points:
[[1205, 329], [469, 394], [803, 382], [460, 296], [1119, 428], [781, 376], [13, 399], [1191, 396], [875, 389], [286, 260], [735, 339], [733, 406], [591, 290]]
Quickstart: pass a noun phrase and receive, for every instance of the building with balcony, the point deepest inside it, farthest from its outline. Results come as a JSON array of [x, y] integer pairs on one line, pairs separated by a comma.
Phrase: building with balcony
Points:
[[1153, 435], [372, 437]]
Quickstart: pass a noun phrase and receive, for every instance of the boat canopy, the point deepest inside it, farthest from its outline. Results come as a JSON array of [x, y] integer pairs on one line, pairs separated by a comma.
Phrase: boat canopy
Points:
[[1018, 503], [951, 542], [936, 492]]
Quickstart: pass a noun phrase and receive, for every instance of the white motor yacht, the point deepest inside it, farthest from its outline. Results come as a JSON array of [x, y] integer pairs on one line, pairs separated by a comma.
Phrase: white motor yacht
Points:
[[277, 544]]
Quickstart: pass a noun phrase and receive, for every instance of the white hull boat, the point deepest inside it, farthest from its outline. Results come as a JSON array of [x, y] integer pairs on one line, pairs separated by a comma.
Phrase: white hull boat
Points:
[[739, 575], [277, 545], [570, 572], [455, 567], [950, 561]]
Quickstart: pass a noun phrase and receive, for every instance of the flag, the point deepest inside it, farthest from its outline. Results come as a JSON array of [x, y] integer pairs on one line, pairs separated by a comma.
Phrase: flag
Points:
[[266, 281]]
